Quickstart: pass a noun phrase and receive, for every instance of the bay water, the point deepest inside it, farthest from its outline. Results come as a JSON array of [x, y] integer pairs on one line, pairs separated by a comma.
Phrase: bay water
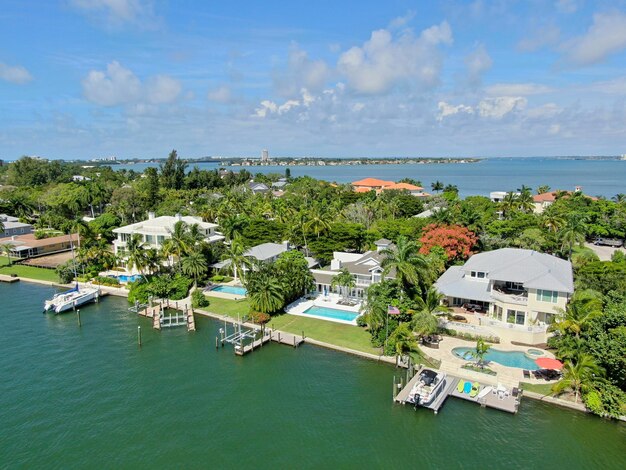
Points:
[[90, 397], [596, 177]]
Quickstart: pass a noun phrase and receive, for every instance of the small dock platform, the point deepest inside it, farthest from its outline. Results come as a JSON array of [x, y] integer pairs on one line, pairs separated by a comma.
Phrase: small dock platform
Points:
[[161, 320], [7, 278], [503, 401], [246, 339]]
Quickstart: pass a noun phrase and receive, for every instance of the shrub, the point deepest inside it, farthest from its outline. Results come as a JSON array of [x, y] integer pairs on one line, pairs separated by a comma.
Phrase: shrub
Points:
[[106, 281], [199, 300], [259, 317], [217, 278]]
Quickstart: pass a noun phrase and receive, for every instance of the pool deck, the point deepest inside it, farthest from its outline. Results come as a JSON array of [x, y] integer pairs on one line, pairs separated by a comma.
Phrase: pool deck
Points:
[[300, 306], [452, 364]]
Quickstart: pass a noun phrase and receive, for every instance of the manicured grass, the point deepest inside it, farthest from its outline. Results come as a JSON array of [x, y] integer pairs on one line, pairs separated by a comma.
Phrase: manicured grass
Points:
[[543, 389], [347, 336], [232, 308], [30, 272]]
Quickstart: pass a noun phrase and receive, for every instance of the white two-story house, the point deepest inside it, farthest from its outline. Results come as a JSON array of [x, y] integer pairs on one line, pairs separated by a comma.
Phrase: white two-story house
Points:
[[364, 267], [156, 230], [521, 291]]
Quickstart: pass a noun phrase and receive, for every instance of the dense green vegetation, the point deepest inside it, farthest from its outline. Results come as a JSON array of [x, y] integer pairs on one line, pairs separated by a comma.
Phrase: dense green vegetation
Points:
[[318, 218]]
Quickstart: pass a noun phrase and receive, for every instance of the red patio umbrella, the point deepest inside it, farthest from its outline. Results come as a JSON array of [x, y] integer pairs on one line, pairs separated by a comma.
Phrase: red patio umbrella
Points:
[[548, 363]]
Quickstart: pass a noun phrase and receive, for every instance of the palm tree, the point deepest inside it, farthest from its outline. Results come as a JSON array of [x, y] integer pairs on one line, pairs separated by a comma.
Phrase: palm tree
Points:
[[621, 197], [6, 249], [553, 222], [194, 265], [436, 186], [578, 375], [480, 352], [318, 221], [135, 249], [525, 201], [509, 204], [343, 280], [543, 189], [179, 239], [404, 340], [424, 323], [578, 314], [572, 233], [411, 268], [235, 254], [431, 302], [268, 296]]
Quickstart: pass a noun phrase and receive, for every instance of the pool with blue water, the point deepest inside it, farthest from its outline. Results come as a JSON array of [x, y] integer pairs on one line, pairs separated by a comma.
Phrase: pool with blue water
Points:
[[506, 358]]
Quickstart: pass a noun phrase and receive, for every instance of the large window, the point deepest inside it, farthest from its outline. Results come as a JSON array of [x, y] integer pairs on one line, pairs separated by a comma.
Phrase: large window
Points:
[[547, 296], [514, 285], [516, 316]]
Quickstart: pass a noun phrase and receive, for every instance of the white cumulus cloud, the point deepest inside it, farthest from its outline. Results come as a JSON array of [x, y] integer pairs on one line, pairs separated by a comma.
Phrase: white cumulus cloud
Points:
[[14, 74], [499, 107], [301, 72], [385, 61], [606, 36], [120, 86], [446, 110]]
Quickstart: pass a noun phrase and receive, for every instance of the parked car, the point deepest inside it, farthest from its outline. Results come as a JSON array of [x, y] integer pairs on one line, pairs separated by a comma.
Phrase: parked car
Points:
[[614, 242]]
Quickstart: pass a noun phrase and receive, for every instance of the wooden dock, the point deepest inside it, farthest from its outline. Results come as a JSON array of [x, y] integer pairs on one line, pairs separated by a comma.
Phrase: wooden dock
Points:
[[7, 278], [499, 401], [268, 335], [161, 320]]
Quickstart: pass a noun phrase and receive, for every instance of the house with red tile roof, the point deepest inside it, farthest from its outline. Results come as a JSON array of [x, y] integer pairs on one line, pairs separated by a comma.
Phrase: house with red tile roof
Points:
[[374, 184], [544, 200]]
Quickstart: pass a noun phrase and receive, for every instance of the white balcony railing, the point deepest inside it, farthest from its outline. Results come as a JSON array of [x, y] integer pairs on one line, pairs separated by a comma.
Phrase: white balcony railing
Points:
[[518, 299]]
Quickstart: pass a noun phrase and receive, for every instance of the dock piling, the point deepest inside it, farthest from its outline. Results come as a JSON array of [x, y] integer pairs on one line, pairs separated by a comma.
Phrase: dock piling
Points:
[[78, 316], [139, 335]]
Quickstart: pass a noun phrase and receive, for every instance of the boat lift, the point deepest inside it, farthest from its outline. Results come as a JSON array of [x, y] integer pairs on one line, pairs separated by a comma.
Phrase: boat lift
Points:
[[239, 335]]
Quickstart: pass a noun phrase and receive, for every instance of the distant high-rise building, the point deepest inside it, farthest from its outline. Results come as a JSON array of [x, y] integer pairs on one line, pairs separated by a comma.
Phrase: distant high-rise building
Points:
[[265, 156]]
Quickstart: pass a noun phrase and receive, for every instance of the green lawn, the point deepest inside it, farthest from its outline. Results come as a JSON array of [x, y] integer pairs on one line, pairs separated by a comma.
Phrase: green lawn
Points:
[[347, 336], [232, 308], [543, 389], [29, 272]]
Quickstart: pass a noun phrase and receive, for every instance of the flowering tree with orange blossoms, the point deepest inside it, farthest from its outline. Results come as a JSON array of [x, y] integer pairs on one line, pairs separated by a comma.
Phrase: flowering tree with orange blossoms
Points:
[[457, 241]]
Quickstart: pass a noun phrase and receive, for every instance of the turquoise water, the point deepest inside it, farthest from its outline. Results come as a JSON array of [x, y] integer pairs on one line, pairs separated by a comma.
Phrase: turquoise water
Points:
[[506, 358], [89, 397], [597, 177], [231, 290], [332, 313], [127, 278]]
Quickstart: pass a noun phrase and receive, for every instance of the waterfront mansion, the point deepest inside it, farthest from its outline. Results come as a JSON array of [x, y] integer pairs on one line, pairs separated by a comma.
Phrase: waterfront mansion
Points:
[[156, 230], [364, 267], [519, 292]]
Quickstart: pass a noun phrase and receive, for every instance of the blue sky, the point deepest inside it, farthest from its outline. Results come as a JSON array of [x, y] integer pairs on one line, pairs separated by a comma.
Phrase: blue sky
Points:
[[136, 78]]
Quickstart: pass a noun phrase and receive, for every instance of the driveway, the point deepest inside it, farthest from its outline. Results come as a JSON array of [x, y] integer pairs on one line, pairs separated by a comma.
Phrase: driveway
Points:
[[604, 252]]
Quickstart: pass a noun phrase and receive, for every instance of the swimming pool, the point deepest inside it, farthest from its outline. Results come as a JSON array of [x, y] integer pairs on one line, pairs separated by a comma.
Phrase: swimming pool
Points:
[[328, 313], [127, 278], [506, 358], [235, 290]]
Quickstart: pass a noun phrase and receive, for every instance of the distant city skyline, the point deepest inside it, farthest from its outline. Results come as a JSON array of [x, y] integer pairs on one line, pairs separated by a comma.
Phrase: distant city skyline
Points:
[[84, 79]]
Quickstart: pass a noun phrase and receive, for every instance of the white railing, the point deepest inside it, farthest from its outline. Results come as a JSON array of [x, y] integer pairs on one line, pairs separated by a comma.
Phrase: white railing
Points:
[[514, 326], [509, 298]]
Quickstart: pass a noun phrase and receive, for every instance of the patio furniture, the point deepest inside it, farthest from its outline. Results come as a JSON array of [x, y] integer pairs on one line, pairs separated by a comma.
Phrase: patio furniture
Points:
[[526, 374]]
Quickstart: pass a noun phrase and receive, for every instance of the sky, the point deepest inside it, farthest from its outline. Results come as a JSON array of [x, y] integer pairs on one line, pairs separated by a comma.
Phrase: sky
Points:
[[367, 78]]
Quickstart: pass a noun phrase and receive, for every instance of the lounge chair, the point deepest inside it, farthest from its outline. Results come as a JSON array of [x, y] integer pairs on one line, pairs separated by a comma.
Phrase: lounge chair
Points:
[[526, 374], [460, 385]]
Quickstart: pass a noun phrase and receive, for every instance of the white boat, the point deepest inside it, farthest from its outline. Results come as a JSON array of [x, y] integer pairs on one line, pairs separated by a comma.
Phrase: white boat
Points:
[[71, 299], [428, 386]]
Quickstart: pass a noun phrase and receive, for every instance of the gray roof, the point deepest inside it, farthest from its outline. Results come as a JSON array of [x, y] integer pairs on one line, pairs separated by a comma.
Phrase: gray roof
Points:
[[323, 277], [382, 241], [266, 251], [533, 269], [8, 218], [453, 284]]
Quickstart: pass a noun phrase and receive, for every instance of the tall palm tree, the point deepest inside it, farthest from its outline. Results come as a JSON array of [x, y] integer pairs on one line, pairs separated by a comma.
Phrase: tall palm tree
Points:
[[480, 352], [424, 323], [6, 249], [509, 204], [343, 280], [179, 240], [578, 375], [552, 221], [194, 265], [235, 254], [411, 268], [268, 295], [572, 233], [318, 221], [525, 202], [404, 340], [578, 314], [436, 186], [135, 249], [431, 302]]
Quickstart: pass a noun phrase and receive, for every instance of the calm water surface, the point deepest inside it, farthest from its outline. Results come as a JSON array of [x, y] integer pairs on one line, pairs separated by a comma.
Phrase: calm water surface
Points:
[[597, 177], [89, 397]]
